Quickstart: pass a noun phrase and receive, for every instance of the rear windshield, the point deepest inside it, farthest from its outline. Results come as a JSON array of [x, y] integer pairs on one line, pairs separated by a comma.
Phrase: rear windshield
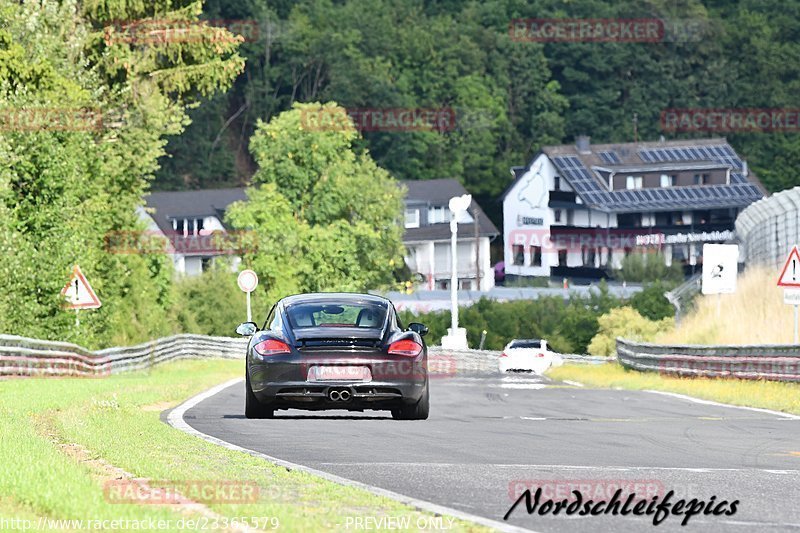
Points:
[[526, 344], [344, 315]]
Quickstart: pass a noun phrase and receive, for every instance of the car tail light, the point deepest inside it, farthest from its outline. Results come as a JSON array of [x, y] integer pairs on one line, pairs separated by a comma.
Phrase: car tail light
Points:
[[271, 347], [405, 347], [504, 354], [539, 355]]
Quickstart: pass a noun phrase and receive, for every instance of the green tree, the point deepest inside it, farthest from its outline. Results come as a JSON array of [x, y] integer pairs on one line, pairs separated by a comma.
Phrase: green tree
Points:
[[69, 182], [651, 303], [385, 54], [323, 215]]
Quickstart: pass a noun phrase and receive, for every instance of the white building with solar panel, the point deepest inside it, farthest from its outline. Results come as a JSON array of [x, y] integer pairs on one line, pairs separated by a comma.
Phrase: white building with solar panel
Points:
[[577, 210]]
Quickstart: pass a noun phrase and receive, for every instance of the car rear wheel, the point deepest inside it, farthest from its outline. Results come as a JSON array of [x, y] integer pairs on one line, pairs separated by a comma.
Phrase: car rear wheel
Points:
[[417, 411], [252, 407]]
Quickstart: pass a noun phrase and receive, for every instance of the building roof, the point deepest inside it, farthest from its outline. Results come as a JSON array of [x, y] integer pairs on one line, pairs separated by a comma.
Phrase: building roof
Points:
[[579, 167], [436, 193], [213, 202], [165, 206]]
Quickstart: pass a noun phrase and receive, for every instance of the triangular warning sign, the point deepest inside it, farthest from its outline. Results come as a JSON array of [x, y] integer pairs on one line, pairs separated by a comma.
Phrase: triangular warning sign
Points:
[[79, 293], [790, 275]]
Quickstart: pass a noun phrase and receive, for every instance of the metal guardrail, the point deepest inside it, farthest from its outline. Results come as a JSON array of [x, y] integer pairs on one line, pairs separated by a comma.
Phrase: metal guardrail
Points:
[[22, 356], [775, 362]]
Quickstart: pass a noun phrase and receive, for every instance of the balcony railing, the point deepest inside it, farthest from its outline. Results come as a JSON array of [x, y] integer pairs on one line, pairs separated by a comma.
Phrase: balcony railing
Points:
[[644, 230]]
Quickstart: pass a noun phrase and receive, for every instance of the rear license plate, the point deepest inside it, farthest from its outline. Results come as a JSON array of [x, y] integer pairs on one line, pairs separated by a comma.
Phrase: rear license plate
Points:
[[339, 373]]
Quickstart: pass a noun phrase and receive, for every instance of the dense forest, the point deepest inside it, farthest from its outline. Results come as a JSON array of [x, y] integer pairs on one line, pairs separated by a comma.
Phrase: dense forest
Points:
[[510, 96]]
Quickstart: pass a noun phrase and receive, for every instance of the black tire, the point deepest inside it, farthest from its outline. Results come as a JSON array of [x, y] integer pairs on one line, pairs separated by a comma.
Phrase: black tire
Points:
[[252, 407], [416, 411]]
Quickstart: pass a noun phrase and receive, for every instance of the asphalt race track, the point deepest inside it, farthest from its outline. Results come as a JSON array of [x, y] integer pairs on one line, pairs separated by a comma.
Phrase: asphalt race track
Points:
[[488, 438]]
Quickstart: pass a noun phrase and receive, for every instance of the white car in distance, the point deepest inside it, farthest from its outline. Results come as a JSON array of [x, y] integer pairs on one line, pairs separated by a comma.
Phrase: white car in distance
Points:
[[526, 355]]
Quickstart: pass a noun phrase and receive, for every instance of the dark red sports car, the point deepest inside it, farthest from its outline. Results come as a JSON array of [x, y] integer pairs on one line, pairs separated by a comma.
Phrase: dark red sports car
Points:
[[336, 351]]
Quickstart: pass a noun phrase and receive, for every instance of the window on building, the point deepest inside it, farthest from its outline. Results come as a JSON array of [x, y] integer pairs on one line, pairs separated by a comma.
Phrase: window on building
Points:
[[465, 284], [179, 225], [701, 217], [667, 180], [701, 179], [518, 251], [206, 263], [634, 182], [557, 215], [630, 220], [588, 256], [680, 253], [536, 256], [562, 258], [438, 215], [412, 218], [557, 183], [194, 226]]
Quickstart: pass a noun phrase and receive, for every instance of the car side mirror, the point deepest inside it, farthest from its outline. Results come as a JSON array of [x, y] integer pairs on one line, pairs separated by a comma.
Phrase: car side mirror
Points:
[[422, 329], [246, 329]]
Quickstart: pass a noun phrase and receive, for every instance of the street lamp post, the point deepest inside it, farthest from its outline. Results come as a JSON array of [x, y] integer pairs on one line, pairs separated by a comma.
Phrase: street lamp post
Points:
[[456, 338]]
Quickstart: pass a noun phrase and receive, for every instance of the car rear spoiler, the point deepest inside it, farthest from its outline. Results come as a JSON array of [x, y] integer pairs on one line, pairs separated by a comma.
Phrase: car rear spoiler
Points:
[[324, 333]]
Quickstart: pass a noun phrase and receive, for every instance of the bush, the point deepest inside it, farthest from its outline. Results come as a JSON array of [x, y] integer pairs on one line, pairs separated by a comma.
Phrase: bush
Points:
[[651, 302], [568, 325], [628, 323], [213, 304], [648, 267]]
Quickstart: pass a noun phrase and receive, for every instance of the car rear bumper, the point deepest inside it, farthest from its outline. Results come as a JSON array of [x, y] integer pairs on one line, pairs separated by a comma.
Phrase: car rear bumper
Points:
[[284, 384]]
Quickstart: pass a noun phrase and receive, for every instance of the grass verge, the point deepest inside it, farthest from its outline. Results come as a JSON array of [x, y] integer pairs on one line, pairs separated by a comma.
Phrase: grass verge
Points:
[[764, 394], [65, 439]]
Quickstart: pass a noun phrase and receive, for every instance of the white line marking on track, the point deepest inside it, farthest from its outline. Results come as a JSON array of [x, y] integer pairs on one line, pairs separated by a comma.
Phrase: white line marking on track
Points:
[[576, 467], [573, 383], [718, 404], [175, 419], [534, 386]]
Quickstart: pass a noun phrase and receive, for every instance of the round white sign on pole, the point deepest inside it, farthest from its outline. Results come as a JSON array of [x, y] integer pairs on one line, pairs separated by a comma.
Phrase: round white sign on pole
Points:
[[247, 280]]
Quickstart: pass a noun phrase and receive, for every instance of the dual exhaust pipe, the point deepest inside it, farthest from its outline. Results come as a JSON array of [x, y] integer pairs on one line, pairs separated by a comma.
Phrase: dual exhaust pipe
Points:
[[339, 395]]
